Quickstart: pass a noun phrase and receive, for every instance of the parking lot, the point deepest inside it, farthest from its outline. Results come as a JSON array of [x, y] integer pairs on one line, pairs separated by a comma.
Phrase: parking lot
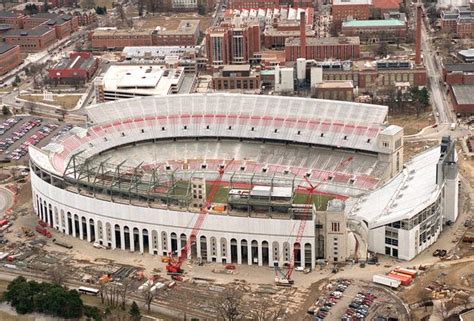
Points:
[[351, 300], [17, 133]]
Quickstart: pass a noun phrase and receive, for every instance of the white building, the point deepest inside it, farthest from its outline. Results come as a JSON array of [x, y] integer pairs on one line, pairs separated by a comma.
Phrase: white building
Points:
[[128, 81], [406, 215]]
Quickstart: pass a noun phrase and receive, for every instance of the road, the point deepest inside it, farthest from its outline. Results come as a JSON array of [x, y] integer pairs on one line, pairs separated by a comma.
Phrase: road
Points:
[[435, 82]]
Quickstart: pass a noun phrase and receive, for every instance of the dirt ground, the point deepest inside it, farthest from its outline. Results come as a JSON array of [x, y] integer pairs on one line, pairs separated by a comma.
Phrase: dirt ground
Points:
[[411, 149], [410, 123], [65, 101], [171, 20]]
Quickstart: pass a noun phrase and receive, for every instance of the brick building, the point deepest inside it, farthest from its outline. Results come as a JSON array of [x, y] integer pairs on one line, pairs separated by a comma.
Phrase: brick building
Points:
[[323, 48], [32, 40], [187, 34], [383, 6], [63, 24], [236, 77], [373, 31], [14, 19], [78, 68], [463, 99], [232, 43], [10, 57], [263, 4], [334, 90], [368, 75], [459, 74], [343, 10], [85, 17], [459, 20], [112, 38]]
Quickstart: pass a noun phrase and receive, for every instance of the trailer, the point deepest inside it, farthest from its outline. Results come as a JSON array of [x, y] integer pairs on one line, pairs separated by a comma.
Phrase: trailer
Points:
[[409, 272], [387, 281], [405, 280], [43, 231], [63, 244]]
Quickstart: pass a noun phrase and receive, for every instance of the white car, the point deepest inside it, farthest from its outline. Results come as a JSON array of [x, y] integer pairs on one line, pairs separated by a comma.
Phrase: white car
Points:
[[299, 268], [99, 246]]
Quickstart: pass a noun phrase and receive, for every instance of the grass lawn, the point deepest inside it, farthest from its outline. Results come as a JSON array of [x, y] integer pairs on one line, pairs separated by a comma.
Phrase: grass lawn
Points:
[[65, 101], [320, 201]]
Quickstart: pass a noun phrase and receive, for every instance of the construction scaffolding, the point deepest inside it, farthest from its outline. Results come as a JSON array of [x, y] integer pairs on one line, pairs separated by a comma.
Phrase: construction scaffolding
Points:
[[159, 185]]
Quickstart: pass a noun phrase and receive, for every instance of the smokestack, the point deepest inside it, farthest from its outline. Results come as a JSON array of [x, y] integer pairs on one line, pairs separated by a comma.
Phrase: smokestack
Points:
[[418, 35], [303, 34]]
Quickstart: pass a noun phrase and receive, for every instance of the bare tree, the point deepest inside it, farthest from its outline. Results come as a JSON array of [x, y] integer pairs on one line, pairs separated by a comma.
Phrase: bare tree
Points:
[[148, 294], [267, 310], [228, 306], [58, 274], [125, 289]]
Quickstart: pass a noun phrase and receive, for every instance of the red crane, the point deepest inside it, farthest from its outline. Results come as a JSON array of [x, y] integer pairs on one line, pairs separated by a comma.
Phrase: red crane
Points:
[[286, 278], [174, 265]]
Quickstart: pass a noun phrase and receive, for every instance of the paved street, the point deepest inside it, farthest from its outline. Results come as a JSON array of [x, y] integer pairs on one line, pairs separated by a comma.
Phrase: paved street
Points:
[[6, 200]]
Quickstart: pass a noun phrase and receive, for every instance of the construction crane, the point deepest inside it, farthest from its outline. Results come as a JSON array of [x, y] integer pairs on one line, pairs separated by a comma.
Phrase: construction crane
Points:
[[285, 278], [174, 264]]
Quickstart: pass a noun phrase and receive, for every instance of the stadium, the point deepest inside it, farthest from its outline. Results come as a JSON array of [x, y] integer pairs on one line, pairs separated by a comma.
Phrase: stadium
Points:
[[136, 176]]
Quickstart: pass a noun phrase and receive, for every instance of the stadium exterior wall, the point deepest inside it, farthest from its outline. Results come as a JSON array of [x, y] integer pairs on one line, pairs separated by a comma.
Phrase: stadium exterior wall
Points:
[[56, 206]]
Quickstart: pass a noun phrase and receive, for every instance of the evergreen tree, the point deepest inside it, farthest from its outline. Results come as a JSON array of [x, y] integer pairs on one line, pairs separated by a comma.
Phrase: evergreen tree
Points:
[[135, 312]]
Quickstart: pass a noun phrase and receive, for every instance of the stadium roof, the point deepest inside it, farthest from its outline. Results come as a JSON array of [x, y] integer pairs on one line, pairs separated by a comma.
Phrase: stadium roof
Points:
[[403, 196], [373, 23]]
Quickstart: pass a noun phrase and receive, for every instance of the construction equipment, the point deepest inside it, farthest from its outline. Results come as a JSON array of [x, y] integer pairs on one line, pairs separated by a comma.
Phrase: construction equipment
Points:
[[43, 231], [174, 265], [284, 279], [27, 231]]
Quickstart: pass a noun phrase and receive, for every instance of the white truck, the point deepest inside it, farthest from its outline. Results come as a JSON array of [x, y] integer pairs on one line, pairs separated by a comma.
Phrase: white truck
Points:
[[385, 280]]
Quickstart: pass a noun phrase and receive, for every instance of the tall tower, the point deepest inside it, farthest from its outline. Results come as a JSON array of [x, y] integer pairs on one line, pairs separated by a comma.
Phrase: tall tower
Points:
[[303, 34], [418, 34]]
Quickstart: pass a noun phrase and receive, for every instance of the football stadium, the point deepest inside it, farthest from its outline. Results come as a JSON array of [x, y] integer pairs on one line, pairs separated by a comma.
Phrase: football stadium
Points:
[[246, 179]]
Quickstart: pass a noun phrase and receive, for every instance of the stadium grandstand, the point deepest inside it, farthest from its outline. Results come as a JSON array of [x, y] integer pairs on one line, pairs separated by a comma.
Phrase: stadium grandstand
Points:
[[128, 179]]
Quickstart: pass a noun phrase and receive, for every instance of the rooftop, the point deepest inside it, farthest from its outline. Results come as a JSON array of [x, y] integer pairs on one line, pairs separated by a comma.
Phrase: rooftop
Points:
[[463, 94], [186, 27], [324, 41], [157, 51], [236, 68], [403, 196], [143, 80], [350, 2], [4, 47], [36, 31], [386, 4], [8, 14], [468, 53], [373, 23], [76, 62], [336, 84], [460, 67]]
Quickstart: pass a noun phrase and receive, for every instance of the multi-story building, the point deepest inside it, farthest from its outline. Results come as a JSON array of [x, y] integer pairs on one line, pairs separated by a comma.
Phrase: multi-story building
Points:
[[32, 40], [384, 6], [10, 57], [85, 17], [462, 98], [459, 74], [112, 38], [128, 81], [459, 20], [368, 75], [78, 68], [14, 19], [232, 43], [323, 48], [236, 77], [334, 90], [372, 31], [343, 10], [63, 24], [187, 34]]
